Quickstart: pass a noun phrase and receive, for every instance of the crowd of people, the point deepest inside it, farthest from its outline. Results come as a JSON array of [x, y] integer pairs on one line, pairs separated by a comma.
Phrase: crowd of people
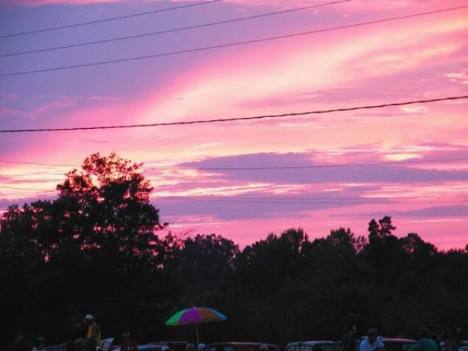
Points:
[[87, 336], [447, 340]]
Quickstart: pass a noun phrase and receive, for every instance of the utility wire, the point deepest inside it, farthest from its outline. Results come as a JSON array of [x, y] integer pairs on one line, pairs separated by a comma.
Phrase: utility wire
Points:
[[233, 119], [325, 165], [109, 19], [225, 45], [403, 163], [335, 165], [277, 200], [173, 30], [335, 200]]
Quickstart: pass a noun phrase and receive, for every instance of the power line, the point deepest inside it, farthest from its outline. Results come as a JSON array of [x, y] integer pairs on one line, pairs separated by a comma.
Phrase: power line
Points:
[[347, 200], [179, 29], [233, 119], [225, 45], [278, 200], [247, 168], [336, 165], [108, 19]]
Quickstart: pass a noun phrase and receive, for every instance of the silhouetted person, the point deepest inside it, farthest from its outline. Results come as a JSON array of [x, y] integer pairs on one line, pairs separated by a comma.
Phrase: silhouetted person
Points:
[[78, 332], [372, 342], [349, 341], [433, 335], [425, 343], [356, 322], [93, 335], [450, 338]]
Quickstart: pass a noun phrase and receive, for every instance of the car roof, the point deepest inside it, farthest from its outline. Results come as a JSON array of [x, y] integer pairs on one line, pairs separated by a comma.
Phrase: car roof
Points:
[[390, 339], [239, 343], [149, 347], [312, 342], [402, 340], [170, 342]]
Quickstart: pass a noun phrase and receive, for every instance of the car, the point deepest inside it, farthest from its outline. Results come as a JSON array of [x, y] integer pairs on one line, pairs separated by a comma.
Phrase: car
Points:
[[55, 348], [394, 344], [175, 345], [242, 346], [313, 345], [148, 347]]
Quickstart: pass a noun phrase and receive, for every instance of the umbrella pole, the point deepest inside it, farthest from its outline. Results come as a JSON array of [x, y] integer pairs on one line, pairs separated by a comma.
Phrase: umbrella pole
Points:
[[198, 338]]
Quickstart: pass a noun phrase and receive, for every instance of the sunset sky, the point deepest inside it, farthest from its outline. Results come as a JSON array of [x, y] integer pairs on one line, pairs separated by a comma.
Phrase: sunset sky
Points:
[[409, 162]]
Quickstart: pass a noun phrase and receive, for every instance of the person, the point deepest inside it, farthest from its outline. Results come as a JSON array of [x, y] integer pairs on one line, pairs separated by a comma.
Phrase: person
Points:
[[425, 343], [78, 332], [349, 341], [127, 343], [92, 338], [449, 338], [372, 342], [356, 322]]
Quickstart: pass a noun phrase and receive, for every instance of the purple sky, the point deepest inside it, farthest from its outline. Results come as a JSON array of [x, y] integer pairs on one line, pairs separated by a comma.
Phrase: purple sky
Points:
[[408, 162]]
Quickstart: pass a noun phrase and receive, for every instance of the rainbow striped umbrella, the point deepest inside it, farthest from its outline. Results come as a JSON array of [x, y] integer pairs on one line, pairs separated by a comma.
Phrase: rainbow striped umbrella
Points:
[[195, 316]]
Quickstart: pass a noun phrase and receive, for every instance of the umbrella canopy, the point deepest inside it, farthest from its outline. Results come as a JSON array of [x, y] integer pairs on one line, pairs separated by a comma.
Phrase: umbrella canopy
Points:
[[195, 315]]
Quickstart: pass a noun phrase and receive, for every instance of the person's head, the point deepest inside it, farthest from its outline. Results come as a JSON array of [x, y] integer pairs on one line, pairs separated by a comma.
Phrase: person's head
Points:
[[19, 339], [126, 336], [372, 334], [88, 319]]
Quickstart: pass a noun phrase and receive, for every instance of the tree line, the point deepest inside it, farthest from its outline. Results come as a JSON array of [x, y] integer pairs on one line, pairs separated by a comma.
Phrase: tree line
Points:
[[97, 249]]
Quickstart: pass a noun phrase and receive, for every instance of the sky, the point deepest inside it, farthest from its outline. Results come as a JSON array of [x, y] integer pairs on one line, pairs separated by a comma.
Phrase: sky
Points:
[[246, 179]]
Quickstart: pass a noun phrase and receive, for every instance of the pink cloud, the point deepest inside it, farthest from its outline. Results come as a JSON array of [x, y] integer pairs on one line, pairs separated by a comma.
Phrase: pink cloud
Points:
[[420, 57]]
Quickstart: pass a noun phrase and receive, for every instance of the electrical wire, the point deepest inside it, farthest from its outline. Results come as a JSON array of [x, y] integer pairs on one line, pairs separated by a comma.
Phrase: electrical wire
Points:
[[234, 119], [279, 200], [173, 30], [279, 167], [109, 19], [225, 45]]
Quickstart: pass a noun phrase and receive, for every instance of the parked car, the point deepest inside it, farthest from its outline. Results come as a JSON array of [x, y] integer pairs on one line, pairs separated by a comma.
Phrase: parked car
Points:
[[55, 348], [314, 345], [463, 345], [175, 345], [148, 347], [242, 346], [395, 344]]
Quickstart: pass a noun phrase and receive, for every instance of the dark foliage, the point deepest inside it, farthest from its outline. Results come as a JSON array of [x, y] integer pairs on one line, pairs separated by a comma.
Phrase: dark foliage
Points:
[[95, 249]]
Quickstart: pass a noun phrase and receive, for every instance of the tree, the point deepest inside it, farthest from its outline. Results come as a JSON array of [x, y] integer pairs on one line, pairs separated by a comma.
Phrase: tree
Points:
[[109, 199], [382, 229], [86, 248], [95, 249]]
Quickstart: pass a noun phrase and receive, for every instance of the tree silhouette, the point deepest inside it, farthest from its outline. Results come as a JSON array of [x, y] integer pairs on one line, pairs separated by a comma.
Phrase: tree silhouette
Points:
[[95, 249]]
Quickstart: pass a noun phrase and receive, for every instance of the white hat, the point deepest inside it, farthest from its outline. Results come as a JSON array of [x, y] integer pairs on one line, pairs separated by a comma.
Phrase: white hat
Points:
[[89, 317]]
